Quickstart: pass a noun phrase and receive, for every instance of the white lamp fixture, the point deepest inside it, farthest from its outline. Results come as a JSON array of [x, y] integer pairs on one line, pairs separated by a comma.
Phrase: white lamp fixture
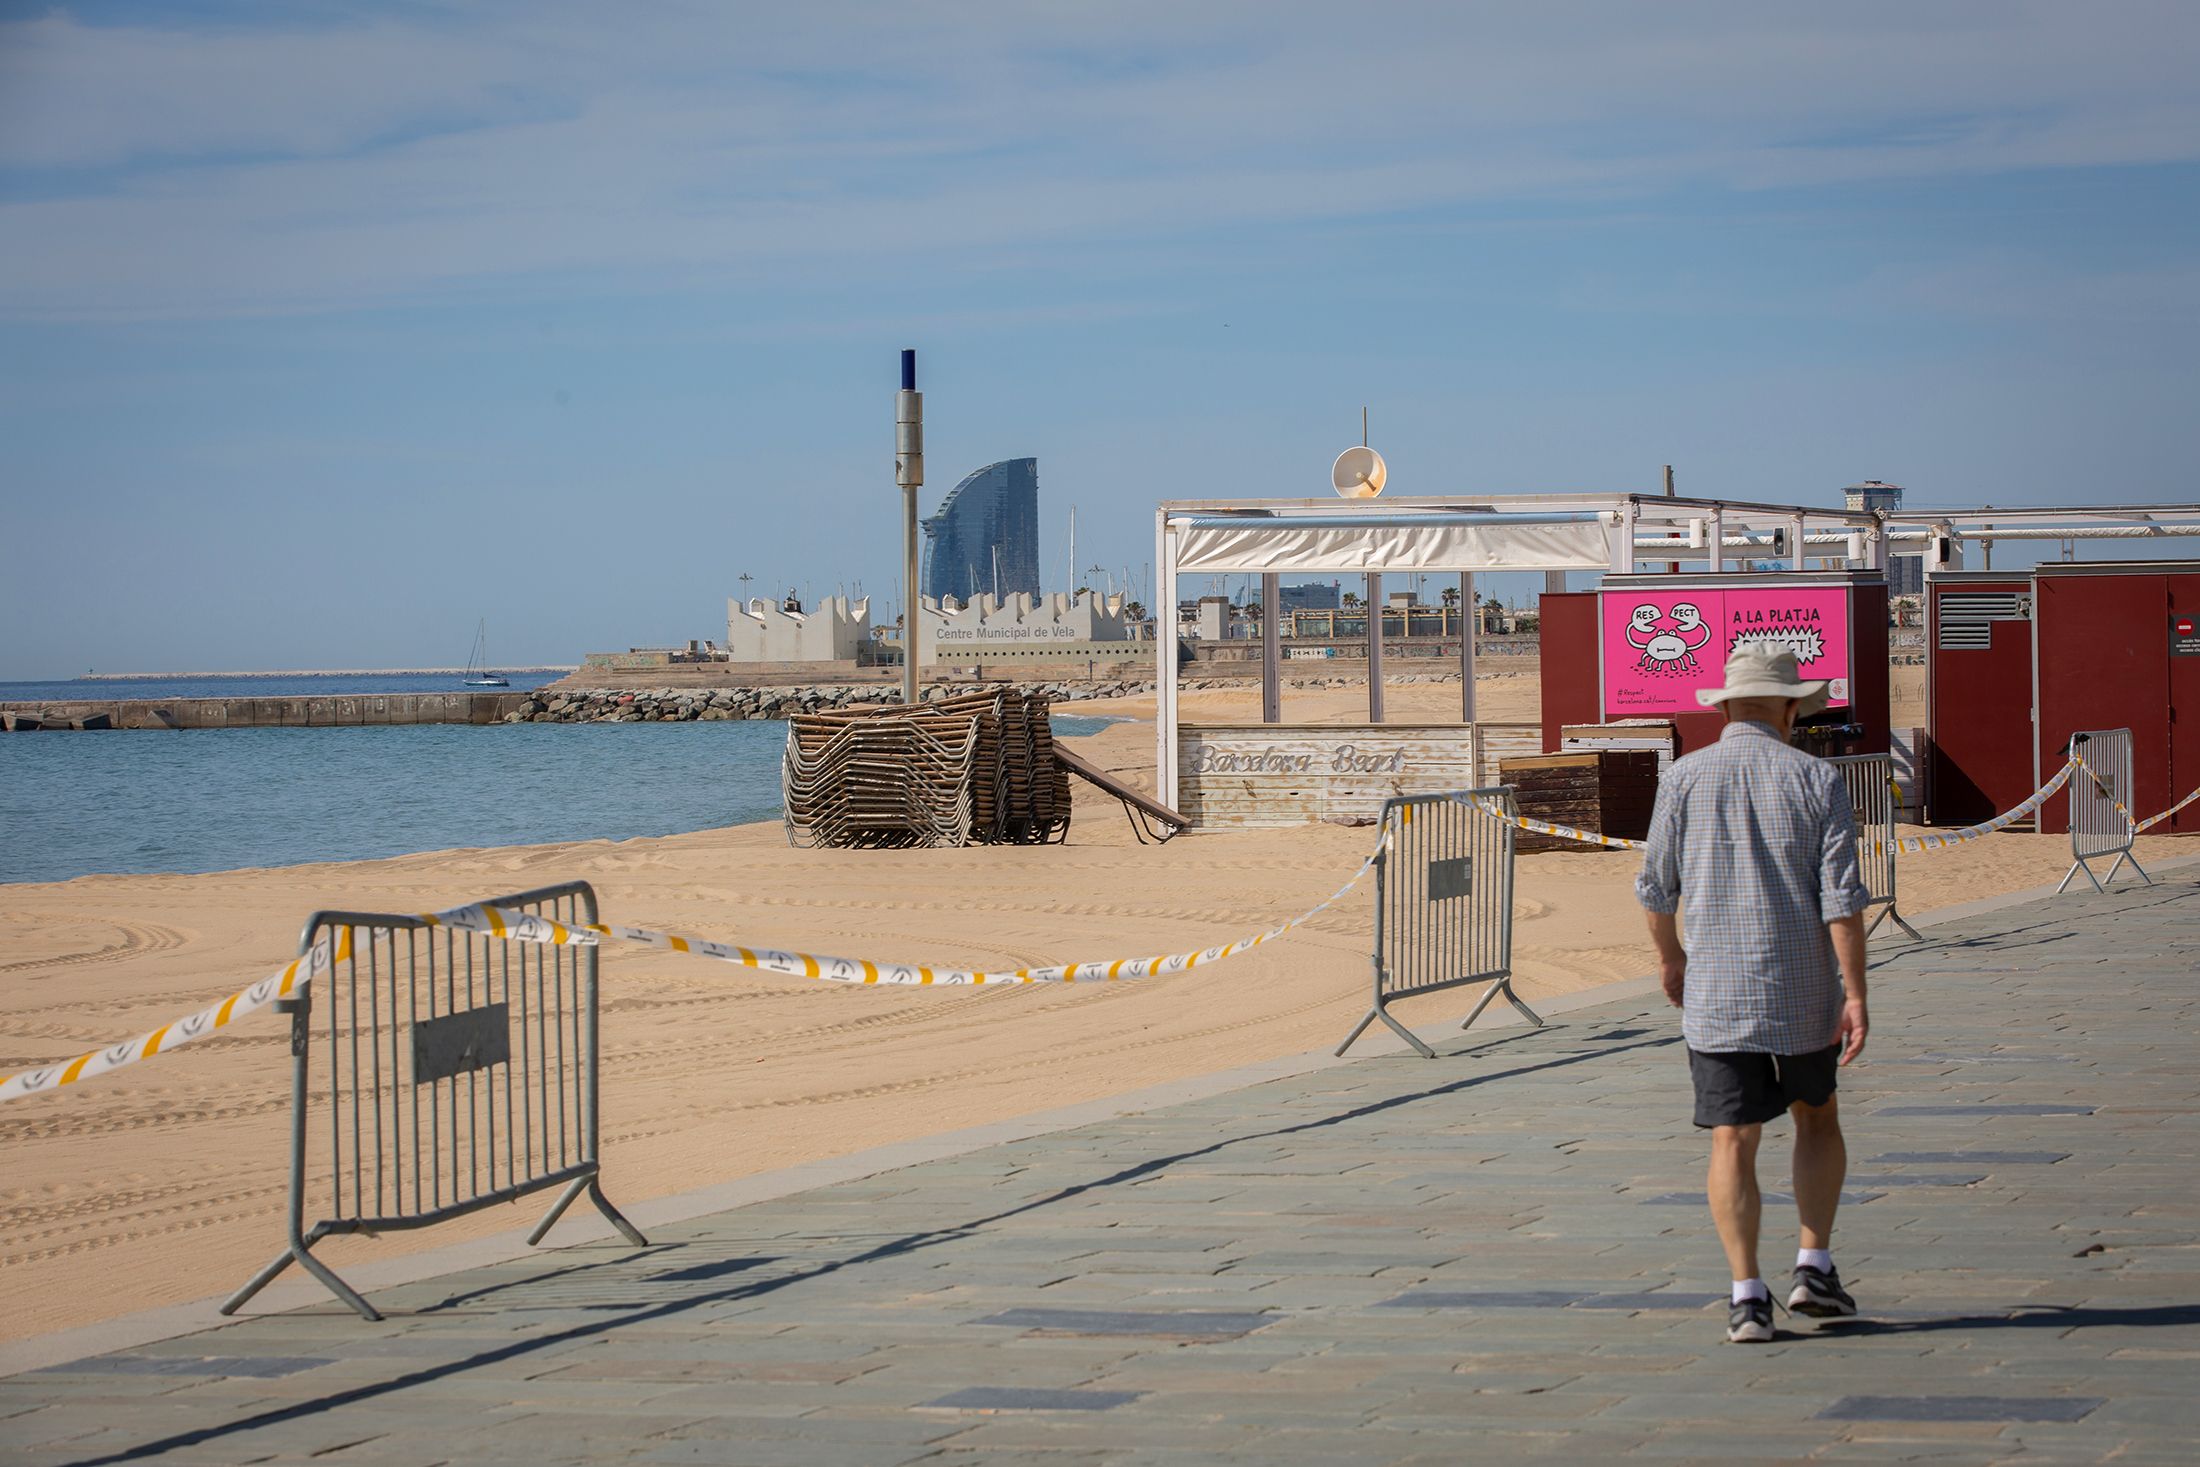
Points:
[[1359, 473]]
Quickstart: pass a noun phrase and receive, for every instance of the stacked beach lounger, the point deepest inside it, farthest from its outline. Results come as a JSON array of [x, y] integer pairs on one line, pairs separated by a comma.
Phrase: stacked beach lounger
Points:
[[978, 768]]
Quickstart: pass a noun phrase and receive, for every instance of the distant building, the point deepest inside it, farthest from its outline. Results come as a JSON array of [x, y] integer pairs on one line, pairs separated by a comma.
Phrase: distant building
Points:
[[1876, 496], [1905, 575], [761, 631], [1312, 596], [985, 539], [1021, 628]]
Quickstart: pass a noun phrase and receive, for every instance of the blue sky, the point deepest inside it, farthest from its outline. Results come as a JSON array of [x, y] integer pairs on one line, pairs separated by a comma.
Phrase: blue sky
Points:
[[325, 331]]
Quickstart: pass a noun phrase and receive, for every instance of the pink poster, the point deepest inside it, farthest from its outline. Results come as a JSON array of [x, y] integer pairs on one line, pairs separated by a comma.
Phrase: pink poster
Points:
[[1659, 647]]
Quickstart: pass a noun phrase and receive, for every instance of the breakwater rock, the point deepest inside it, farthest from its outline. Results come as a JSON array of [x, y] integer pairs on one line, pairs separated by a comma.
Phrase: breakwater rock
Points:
[[700, 705], [557, 704]]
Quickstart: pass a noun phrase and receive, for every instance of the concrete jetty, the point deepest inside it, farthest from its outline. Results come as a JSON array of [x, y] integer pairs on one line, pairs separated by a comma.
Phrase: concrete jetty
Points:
[[318, 711]]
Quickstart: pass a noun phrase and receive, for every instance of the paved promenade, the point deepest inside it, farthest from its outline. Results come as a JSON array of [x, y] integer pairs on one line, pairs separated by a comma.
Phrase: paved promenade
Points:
[[1500, 1253]]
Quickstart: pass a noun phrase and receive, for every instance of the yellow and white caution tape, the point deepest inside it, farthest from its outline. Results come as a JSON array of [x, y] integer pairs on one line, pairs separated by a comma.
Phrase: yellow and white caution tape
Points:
[[2106, 793], [2122, 809], [1941, 840], [292, 977], [494, 922], [1544, 827], [2154, 820], [1908, 845], [510, 926]]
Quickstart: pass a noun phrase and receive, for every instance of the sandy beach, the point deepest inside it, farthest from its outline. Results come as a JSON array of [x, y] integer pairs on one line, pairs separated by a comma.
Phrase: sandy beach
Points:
[[165, 1183]]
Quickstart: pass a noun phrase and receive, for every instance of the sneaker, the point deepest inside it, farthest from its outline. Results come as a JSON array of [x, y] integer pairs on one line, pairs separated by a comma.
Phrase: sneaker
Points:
[[1749, 1322], [1818, 1293]]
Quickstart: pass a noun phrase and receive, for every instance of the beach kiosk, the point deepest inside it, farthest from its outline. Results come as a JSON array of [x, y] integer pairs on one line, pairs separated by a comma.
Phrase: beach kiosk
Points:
[[1641, 647], [2018, 662], [1277, 773]]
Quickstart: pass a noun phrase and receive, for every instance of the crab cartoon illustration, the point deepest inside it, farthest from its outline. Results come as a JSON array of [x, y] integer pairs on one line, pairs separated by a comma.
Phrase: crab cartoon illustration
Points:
[[1670, 653]]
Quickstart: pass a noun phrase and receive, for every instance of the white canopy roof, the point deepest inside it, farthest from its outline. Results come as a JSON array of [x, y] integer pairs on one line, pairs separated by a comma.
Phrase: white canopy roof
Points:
[[1377, 542]]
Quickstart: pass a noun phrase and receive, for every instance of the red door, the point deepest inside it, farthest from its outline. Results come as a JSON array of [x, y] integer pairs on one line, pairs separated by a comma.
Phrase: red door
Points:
[[2184, 694], [2104, 663], [1569, 663], [1978, 665]]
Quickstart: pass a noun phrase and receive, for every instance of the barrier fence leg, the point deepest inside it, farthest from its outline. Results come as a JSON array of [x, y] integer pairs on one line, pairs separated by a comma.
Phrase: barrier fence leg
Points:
[[2075, 867], [301, 1252], [1501, 986], [617, 1218], [1375, 962], [594, 1190], [1891, 912], [1357, 1030], [572, 1190], [2122, 857], [1379, 1012], [300, 1248], [258, 1282]]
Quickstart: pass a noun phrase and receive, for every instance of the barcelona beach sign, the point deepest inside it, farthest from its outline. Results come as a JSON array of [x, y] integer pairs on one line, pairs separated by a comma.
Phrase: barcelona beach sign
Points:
[[1659, 647]]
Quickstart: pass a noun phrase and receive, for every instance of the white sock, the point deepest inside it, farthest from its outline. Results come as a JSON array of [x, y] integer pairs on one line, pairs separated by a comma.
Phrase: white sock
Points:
[[1750, 1289], [1818, 1258]]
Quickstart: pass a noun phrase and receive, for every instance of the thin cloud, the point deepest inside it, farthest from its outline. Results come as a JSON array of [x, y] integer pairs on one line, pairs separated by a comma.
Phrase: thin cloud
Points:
[[170, 171]]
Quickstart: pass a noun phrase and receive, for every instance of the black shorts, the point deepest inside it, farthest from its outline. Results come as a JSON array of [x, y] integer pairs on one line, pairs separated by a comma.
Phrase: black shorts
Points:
[[1750, 1089]]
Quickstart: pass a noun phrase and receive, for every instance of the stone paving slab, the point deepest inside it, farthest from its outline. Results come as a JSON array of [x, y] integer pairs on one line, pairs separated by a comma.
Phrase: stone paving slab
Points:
[[1398, 1261]]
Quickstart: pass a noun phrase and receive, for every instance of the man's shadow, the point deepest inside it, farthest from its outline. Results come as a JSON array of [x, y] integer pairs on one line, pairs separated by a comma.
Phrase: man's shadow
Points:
[[2057, 1317]]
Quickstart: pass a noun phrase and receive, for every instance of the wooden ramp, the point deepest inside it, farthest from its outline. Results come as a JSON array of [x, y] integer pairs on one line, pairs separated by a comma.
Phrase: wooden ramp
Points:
[[1144, 811]]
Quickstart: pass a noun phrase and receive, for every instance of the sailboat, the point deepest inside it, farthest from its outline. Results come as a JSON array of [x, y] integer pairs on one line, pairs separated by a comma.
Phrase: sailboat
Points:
[[478, 674]]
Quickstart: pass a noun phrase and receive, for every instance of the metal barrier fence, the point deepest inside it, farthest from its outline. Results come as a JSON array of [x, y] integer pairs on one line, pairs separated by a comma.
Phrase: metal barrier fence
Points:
[[2101, 818], [461, 1073], [1873, 801], [1443, 904]]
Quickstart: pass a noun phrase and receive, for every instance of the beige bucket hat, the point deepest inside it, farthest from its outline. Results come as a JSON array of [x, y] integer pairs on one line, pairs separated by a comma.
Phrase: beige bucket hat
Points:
[[1758, 670]]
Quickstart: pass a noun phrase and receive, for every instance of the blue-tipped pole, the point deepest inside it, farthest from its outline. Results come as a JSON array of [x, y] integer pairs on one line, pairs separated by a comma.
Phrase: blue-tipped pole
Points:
[[909, 474]]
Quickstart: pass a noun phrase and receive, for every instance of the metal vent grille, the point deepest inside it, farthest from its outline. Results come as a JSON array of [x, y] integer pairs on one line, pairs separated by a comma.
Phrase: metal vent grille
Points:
[[1965, 619], [1982, 606]]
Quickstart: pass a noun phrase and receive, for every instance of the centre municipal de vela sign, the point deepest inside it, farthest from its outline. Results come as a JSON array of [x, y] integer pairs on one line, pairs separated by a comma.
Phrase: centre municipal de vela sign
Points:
[[1019, 632], [1248, 775]]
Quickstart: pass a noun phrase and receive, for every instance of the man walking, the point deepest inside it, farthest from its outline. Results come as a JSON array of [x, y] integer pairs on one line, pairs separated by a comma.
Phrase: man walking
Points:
[[1754, 841]]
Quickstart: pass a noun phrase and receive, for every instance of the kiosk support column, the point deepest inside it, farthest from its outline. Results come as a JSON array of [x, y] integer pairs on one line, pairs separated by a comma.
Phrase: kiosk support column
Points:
[[1165, 653], [1374, 649], [1467, 630], [1271, 649]]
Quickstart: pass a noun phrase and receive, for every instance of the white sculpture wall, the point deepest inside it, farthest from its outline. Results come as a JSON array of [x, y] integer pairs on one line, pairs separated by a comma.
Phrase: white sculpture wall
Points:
[[830, 631]]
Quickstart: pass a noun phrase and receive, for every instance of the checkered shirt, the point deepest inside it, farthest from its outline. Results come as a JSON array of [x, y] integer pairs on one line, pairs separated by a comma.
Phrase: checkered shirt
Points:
[[1754, 843]]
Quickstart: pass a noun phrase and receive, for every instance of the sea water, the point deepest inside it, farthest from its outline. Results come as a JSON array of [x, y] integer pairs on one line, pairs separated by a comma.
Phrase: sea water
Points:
[[72, 804]]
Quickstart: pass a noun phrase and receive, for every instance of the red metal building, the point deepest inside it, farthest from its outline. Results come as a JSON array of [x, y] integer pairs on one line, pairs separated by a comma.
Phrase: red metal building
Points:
[[2017, 662]]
